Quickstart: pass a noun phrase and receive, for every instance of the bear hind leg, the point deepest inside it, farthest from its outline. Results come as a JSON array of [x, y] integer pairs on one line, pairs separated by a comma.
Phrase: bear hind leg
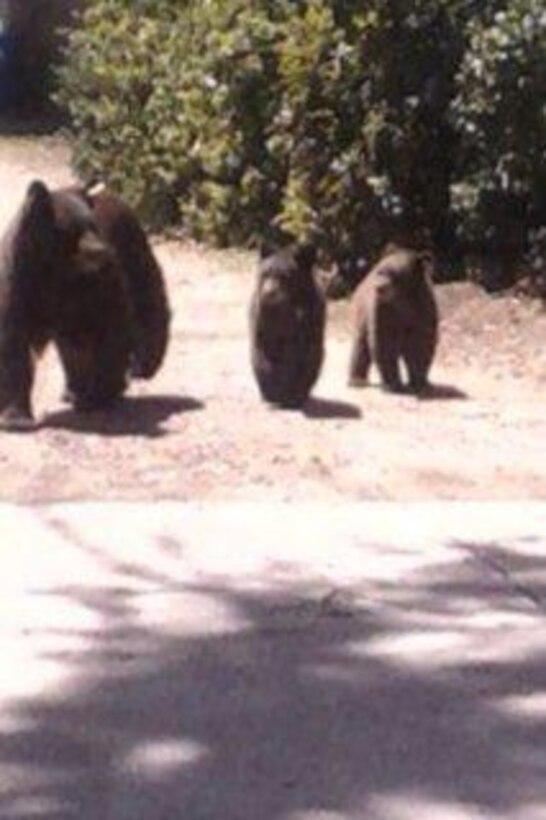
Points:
[[360, 359]]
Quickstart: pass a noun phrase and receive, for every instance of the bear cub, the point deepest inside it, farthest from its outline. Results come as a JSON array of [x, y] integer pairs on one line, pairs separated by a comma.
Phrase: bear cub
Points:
[[287, 323], [395, 321]]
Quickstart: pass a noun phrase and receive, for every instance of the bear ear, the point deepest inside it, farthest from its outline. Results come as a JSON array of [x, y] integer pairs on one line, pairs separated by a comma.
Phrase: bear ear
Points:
[[35, 233], [38, 205], [390, 247], [268, 248], [37, 191], [427, 262], [306, 255]]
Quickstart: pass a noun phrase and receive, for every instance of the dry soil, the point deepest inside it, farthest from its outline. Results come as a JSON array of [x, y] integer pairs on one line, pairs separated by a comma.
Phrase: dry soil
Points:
[[199, 430]]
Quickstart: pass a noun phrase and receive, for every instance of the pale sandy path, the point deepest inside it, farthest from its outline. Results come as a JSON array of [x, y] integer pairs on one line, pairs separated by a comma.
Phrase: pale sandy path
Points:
[[199, 430]]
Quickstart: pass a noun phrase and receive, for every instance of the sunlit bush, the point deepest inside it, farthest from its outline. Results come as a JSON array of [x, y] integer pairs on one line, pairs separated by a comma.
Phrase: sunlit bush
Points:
[[337, 120]]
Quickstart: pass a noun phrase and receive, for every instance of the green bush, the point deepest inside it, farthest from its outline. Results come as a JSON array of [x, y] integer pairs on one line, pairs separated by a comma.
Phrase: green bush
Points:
[[338, 120], [171, 110], [499, 185]]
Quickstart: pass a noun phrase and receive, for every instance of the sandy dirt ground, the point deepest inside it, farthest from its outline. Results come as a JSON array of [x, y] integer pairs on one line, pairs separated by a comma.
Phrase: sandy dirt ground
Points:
[[199, 431]]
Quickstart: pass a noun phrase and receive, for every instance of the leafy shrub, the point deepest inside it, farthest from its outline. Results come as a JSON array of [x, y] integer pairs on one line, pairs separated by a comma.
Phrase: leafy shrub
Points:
[[337, 120], [498, 191]]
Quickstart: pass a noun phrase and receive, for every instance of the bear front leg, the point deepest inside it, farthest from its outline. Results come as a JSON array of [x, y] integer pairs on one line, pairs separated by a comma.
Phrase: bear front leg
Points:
[[78, 365], [386, 348], [418, 358], [16, 377], [389, 370], [95, 374]]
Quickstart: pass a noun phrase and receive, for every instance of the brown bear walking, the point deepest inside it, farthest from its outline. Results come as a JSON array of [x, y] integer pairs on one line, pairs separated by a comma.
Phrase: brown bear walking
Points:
[[287, 327], [396, 319], [65, 278]]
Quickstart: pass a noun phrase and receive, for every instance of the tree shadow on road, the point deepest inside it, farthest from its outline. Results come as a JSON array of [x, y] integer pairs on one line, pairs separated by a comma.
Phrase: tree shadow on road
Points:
[[131, 416], [290, 706]]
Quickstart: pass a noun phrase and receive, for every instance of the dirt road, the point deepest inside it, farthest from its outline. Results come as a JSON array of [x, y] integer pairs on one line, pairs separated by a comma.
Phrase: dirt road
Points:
[[198, 431]]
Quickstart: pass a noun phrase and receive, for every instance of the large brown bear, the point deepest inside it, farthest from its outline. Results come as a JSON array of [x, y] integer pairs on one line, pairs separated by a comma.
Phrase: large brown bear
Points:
[[76, 269], [395, 320], [287, 320]]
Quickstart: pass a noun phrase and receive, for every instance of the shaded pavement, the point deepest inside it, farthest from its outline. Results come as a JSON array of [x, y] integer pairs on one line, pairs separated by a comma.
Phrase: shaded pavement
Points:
[[268, 661]]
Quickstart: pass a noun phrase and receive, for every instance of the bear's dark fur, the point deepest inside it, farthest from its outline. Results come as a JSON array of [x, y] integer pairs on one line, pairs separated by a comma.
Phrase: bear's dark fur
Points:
[[287, 326], [118, 225], [63, 279], [396, 319]]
